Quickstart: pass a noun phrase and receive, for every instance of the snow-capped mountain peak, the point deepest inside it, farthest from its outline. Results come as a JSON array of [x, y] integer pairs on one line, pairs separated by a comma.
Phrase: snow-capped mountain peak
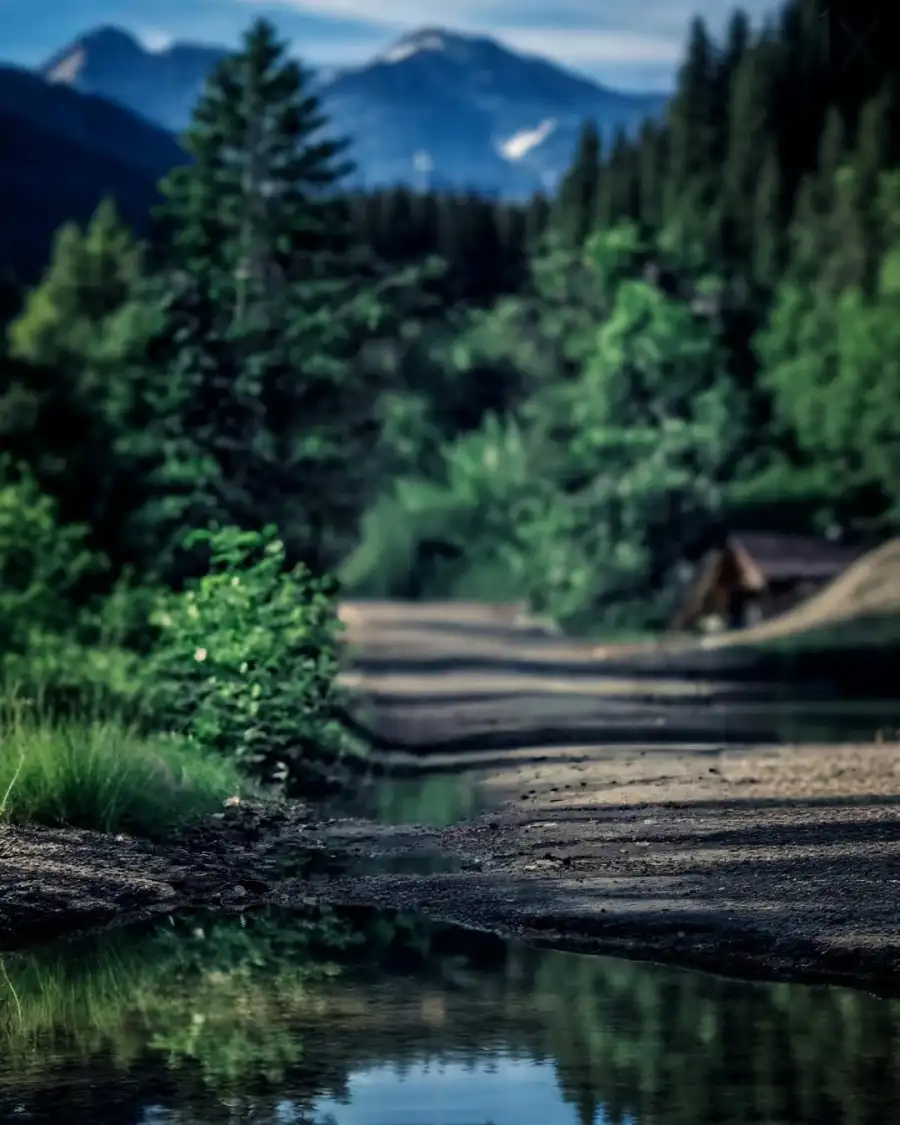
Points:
[[428, 39]]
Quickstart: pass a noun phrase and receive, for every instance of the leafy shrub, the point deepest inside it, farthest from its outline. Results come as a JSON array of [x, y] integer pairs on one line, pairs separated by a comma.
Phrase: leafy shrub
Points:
[[63, 647], [44, 566], [246, 661], [449, 535]]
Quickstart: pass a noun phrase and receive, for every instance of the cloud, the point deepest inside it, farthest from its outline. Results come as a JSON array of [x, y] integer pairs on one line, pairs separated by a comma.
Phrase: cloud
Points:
[[650, 17], [581, 33], [577, 46]]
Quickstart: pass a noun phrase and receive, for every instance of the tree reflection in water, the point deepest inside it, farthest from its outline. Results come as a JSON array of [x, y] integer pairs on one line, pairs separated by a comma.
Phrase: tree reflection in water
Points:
[[263, 1017]]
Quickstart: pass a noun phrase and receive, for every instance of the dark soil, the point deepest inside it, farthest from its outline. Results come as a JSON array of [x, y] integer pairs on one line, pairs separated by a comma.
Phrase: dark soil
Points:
[[649, 825]]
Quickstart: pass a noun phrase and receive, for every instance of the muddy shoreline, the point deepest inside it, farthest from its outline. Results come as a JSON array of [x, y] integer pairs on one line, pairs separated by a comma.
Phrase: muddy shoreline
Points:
[[641, 819]]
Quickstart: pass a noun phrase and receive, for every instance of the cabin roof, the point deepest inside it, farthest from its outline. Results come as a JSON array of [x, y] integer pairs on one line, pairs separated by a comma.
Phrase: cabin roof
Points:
[[785, 557]]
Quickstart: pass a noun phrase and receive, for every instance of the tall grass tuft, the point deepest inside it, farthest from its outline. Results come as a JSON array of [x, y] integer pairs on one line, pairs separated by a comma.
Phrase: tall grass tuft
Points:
[[103, 774]]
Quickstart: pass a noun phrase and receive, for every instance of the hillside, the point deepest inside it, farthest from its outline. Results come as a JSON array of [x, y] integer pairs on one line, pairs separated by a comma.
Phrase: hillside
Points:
[[860, 605], [61, 153]]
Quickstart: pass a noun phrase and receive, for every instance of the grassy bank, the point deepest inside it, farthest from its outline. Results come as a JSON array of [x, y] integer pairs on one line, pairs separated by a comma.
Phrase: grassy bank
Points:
[[106, 775], [228, 685]]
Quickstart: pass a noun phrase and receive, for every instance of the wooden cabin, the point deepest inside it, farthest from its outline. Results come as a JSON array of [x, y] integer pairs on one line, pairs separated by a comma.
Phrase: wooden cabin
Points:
[[753, 576]]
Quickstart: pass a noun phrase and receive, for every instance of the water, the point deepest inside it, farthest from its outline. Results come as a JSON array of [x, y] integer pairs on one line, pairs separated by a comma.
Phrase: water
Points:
[[304, 1016], [839, 721], [436, 799], [439, 798]]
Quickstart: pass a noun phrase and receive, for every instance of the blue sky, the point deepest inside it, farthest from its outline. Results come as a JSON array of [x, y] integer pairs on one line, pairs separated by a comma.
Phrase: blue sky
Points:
[[627, 43]]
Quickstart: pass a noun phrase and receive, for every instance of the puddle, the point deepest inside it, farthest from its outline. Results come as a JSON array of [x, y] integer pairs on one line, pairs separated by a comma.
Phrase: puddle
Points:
[[304, 863], [838, 722], [314, 1018], [441, 798], [434, 800]]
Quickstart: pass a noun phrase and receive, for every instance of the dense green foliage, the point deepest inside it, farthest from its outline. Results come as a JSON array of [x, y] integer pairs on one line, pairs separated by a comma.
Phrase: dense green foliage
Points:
[[246, 659], [703, 339], [160, 408], [567, 401]]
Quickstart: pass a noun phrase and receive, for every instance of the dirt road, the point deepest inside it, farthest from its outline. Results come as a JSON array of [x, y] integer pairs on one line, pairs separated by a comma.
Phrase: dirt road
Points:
[[641, 815]]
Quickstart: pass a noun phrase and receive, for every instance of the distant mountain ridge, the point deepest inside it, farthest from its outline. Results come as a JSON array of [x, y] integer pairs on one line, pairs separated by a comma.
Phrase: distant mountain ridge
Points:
[[61, 153], [437, 108], [159, 85]]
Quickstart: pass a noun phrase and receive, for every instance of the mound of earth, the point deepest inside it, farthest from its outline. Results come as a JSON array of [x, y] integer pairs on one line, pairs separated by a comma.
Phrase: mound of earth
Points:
[[867, 591]]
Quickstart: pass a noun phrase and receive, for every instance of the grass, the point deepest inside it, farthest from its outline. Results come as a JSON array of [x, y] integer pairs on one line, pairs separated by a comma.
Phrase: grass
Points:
[[105, 775], [872, 632]]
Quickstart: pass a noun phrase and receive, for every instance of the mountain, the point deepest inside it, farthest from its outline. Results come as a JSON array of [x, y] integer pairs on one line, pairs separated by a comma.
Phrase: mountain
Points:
[[466, 110], [61, 152], [160, 85], [437, 108]]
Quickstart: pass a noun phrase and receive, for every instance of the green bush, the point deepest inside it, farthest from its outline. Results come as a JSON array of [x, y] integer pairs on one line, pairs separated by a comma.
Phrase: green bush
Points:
[[59, 675], [246, 661], [469, 509], [64, 648], [105, 776], [44, 566]]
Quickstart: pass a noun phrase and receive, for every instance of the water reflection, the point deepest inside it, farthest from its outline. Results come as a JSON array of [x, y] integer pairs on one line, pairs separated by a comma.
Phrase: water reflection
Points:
[[838, 722], [307, 1016], [437, 800]]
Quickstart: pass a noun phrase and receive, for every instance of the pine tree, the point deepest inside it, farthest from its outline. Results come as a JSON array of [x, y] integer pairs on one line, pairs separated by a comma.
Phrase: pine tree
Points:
[[805, 88], [651, 174], [877, 148], [846, 261], [737, 41], [537, 216], [91, 274], [67, 385], [625, 178], [832, 151], [510, 221], [768, 222], [268, 413], [750, 135], [808, 231], [733, 52], [576, 201], [693, 168], [395, 236], [619, 195]]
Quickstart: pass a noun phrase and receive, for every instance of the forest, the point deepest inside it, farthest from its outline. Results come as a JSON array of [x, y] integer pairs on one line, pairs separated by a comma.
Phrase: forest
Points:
[[286, 390]]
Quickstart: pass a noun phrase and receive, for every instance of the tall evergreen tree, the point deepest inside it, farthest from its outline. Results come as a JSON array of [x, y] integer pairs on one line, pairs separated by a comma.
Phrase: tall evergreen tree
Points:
[[576, 201], [693, 169], [263, 404], [768, 222], [877, 148], [537, 215], [66, 389], [734, 49], [808, 230], [619, 195], [750, 113], [651, 174], [805, 88]]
